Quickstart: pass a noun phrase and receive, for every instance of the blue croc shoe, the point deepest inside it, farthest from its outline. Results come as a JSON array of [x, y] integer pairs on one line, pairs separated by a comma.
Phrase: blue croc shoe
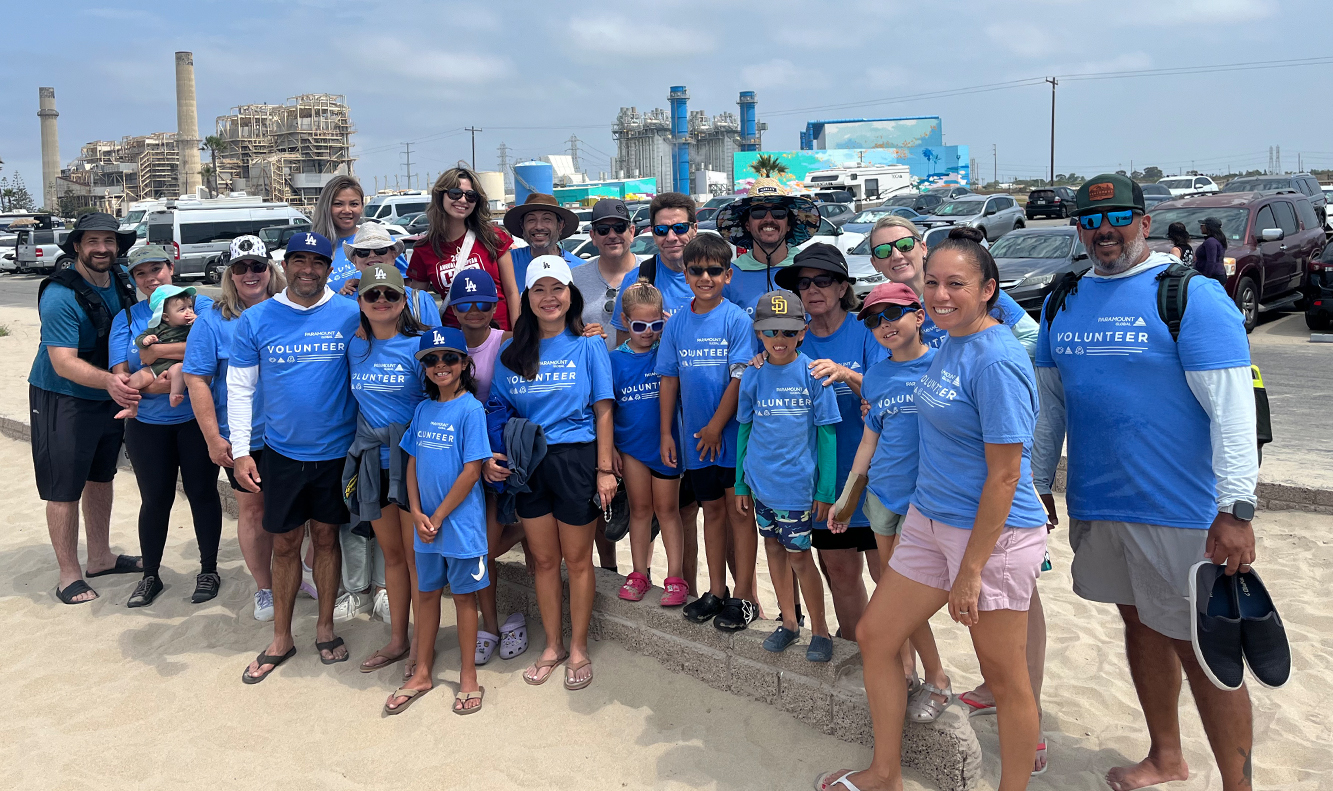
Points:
[[820, 650], [781, 638]]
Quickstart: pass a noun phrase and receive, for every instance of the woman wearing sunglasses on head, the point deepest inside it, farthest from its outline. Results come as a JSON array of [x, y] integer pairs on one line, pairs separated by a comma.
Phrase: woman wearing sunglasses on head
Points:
[[387, 385], [373, 246], [462, 236]]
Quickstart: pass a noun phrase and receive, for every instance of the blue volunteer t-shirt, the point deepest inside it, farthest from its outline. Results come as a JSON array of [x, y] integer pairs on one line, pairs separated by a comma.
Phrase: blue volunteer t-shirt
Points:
[[852, 346], [442, 438], [309, 411], [128, 325], [386, 381], [520, 257], [700, 349], [676, 293], [66, 326], [1140, 448], [421, 303], [980, 389], [574, 374], [638, 407], [784, 405], [889, 388], [1006, 310], [206, 354]]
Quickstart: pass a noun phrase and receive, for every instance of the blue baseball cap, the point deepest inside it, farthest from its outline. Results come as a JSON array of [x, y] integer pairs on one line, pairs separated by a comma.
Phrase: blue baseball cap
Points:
[[473, 285], [309, 242], [441, 338]]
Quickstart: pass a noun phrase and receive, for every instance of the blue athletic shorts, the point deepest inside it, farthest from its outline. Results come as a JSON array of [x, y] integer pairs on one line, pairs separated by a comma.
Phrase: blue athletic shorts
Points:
[[791, 528], [464, 575]]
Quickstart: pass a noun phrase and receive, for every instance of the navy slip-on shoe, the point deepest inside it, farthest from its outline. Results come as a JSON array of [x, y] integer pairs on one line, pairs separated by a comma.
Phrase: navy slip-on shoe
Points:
[[820, 650], [781, 638], [1263, 639], [1215, 627]]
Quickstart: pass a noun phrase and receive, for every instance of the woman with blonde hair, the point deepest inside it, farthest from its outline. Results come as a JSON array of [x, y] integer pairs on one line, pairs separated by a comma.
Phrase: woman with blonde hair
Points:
[[461, 235], [251, 278]]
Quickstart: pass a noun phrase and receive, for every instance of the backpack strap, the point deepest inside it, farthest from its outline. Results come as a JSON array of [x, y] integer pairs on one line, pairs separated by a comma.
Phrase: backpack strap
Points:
[[1173, 296], [90, 301], [648, 269], [1056, 301]]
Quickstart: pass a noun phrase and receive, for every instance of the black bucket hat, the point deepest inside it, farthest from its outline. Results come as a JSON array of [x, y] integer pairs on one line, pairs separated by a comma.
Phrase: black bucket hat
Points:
[[98, 221], [819, 255]]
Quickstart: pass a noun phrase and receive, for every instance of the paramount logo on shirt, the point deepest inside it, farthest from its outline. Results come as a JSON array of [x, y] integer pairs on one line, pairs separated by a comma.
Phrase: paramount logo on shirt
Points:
[[327, 346], [563, 375], [1107, 342], [713, 353]]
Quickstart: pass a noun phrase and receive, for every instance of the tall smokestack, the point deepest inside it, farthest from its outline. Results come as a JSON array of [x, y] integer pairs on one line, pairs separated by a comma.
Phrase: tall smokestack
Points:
[[46, 111], [187, 123]]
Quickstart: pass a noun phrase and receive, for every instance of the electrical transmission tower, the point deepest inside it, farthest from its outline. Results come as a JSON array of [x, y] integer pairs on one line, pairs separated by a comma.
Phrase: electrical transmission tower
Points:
[[408, 152], [574, 151]]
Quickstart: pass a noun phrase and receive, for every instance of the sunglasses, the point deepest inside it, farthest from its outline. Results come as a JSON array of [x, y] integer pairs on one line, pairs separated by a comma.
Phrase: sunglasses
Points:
[[1118, 219], [822, 281], [610, 297], [618, 227], [783, 333], [376, 294], [362, 253], [256, 267], [711, 271], [903, 245], [468, 307], [448, 358], [644, 326], [889, 313], [760, 212], [456, 193], [679, 228]]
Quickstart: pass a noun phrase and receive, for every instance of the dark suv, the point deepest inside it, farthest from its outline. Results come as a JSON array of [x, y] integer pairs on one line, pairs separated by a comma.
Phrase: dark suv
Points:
[[1303, 183], [1272, 237], [1049, 202]]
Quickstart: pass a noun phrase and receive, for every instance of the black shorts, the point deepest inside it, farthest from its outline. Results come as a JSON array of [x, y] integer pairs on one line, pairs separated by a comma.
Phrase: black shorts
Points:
[[258, 455], [297, 491], [661, 475], [563, 485], [859, 538], [710, 483], [74, 441]]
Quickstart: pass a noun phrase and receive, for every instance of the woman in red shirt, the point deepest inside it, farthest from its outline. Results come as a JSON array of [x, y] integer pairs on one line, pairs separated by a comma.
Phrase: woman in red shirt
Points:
[[462, 236]]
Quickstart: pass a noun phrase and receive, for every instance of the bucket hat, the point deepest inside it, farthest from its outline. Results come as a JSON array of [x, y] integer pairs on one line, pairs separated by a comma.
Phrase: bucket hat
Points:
[[804, 215], [98, 221], [160, 296], [538, 201], [372, 236], [817, 256]]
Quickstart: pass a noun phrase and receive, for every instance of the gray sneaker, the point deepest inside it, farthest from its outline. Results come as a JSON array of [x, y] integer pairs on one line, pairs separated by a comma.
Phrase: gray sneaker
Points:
[[350, 605], [264, 604]]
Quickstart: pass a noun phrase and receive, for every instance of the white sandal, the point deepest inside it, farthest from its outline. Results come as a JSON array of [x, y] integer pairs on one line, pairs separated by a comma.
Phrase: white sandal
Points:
[[485, 646], [922, 706], [513, 636]]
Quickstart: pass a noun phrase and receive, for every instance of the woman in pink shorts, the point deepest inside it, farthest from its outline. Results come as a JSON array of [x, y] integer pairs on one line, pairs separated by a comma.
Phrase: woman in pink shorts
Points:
[[973, 538]]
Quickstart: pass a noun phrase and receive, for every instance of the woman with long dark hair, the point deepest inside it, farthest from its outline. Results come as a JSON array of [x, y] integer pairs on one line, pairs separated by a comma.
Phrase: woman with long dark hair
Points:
[[1208, 259], [462, 236], [549, 374], [1180, 242]]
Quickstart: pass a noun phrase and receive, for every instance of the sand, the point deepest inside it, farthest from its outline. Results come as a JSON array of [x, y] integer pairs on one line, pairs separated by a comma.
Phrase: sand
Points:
[[99, 695]]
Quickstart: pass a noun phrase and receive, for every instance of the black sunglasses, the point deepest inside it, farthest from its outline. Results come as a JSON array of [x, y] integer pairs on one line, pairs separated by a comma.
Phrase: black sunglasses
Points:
[[760, 212], [679, 228], [784, 333], [363, 253], [375, 294], [822, 281], [448, 358], [606, 228], [456, 193], [889, 313], [241, 267], [712, 271]]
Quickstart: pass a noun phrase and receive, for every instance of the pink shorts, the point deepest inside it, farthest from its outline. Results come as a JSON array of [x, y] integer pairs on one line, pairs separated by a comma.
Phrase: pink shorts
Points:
[[931, 553]]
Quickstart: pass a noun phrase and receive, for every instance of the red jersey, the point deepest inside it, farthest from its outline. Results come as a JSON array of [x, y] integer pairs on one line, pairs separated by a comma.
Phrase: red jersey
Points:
[[439, 270]]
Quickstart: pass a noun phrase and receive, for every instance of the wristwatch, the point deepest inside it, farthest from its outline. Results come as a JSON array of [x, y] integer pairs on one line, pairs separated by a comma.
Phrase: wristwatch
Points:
[[1241, 509]]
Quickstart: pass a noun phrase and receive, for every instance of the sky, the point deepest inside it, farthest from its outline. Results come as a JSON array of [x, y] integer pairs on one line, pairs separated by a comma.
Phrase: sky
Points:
[[532, 74]]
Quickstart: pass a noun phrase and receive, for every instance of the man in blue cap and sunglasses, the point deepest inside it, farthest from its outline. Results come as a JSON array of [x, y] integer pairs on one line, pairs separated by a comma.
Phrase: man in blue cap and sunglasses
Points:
[[1162, 465]]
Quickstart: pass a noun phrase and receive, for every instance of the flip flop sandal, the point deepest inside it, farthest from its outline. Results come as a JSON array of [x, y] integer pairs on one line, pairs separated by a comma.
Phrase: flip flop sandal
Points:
[[831, 780], [329, 646], [266, 659], [514, 636], [76, 588], [976, 709], [125, 564], [923, 707], [544, 664], [403, 692], [1041, 753], [485, 646], [461, 699], [366, 667], [572, 669]]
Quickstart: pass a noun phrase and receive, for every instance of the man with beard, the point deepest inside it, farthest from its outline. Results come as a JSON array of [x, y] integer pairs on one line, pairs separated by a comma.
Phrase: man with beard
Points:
[[770, 221], [74, 399], [1162, 466], [294, 348], [542, 223]]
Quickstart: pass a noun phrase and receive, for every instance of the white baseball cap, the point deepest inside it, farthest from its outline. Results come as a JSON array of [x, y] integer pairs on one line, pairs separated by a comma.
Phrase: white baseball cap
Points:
[[548, 266]]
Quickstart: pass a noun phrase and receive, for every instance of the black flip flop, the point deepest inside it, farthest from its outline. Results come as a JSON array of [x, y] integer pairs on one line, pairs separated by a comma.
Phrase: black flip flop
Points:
[[329, 646], [73, 589], [125, 564], [266, 659]]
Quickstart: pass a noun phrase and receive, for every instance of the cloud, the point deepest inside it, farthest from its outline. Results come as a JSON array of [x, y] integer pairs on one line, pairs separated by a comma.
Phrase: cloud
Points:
[[1206, 12], [619, 37], [781, 73], [448, 70]]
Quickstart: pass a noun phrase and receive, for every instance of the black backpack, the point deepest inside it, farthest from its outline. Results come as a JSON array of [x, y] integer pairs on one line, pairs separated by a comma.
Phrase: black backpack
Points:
[[97, 311]]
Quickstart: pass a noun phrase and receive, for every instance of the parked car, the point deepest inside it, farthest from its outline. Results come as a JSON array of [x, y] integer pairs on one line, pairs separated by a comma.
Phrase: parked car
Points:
[[1271, 240], [580, 244], [950, 191], [1303, 183], [274, 237], [1032, 260], [836, 213], [1319, 292], [641, 217], [705, 214], [995, 215], [934, 236], [1049, 202], [1154, 194], [832, 196], [36, 250], [862, 267], [863, 222], [1188, 185], [391, 208], [419, 224]]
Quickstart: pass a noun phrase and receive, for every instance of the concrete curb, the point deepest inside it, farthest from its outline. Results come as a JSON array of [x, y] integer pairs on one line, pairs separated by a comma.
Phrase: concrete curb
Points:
[[827, 696]]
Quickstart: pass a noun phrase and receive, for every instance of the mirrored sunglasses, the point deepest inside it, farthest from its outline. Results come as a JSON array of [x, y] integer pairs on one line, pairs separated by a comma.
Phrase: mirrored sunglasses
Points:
[[889, 313], [1118, 219], [903, 245]]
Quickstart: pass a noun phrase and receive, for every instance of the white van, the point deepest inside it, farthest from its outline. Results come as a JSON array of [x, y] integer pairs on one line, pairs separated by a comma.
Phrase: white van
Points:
[[202, 230], [389, 209]]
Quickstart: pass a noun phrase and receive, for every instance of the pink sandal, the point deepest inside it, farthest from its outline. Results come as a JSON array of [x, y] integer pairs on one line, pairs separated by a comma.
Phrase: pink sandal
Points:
[[676, 592], [636, 585]]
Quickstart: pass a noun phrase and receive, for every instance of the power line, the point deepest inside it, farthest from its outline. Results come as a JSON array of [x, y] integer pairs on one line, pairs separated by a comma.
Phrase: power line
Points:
[[474, 132]]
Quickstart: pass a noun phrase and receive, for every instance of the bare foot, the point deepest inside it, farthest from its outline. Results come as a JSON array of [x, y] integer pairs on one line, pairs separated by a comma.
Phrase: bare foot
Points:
[[1146, 773]]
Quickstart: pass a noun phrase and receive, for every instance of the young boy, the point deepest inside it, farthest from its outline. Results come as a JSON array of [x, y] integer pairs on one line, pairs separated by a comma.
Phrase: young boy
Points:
[[787, 433], [701, 356], [173, 313]]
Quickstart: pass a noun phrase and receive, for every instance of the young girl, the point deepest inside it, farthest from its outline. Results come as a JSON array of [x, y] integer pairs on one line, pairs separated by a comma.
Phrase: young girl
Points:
[[888, 454], [652, 486], [447, 445]]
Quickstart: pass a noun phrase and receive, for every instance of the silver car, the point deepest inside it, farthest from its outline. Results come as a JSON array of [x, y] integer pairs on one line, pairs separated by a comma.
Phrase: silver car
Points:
[[995, 215]]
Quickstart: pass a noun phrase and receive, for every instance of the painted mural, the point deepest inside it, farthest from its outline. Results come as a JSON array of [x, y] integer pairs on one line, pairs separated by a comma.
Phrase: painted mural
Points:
[[930, 165]]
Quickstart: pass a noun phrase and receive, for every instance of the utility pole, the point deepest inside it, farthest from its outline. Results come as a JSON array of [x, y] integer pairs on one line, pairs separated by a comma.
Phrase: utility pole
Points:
[[474, 132], [1053, 83], [408, 152], [574, 151], [994, 164]]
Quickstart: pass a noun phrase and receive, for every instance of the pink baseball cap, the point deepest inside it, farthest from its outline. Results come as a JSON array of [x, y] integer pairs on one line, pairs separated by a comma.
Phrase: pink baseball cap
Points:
[[888, 294]]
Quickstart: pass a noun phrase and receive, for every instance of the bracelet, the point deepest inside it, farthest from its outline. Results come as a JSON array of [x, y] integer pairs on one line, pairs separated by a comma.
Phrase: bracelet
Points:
[[606, 472]]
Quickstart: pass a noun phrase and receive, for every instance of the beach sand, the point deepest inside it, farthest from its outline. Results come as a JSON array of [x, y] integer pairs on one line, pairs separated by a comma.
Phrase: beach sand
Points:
[[101, 696]]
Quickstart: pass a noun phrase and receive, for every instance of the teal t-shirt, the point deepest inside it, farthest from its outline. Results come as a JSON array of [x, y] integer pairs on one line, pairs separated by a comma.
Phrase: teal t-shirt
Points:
[[66, 326]]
